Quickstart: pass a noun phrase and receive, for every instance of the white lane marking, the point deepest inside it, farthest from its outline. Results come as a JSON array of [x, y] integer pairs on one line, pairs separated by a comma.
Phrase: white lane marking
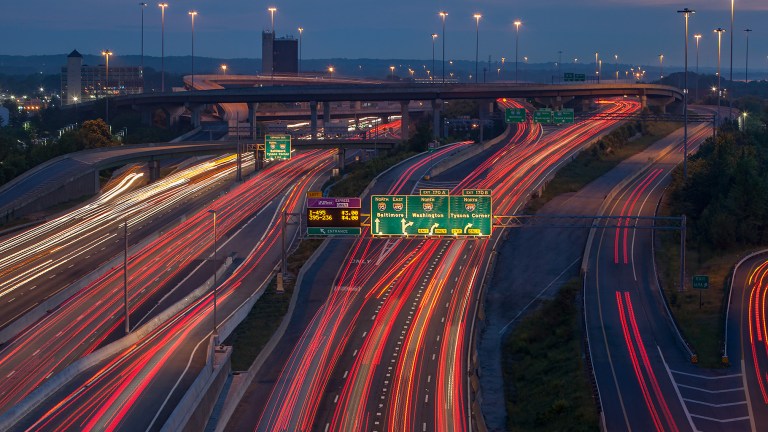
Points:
[[706, 377], [677, 390], [715, 405], [721, 421], [711, 391], [752, 425], [503, 329]]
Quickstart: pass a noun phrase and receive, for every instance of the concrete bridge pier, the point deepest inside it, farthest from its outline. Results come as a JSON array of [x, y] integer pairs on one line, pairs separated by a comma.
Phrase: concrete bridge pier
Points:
[[313, 119], [404, 121], [252, 108], [146, 115], [643, 101], [437, 106], [154, 170], [326, 117], [196, 112], [342, 155]]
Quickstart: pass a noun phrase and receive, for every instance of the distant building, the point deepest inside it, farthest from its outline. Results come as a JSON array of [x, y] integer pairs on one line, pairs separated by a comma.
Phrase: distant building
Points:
[[279, 55], [81, 82]]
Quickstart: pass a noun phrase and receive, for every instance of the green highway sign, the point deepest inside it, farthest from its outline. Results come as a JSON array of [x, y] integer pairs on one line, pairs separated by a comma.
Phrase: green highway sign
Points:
[[277, 147], [333, 231], [431, 215], [571, 77], [514, 115], [568, 76], [438, 192], [563, 116], [701, 282], [579, 77], [543, 116]]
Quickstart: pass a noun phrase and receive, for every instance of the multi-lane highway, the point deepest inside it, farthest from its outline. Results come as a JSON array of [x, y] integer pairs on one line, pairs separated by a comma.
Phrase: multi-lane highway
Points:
[[163, 364], [389, 347], [642, 366], [94, 315], [38, 263]]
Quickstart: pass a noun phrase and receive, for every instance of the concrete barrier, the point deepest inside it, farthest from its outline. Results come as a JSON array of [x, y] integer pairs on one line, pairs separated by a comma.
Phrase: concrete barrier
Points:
[[195, 407], [57, 381]]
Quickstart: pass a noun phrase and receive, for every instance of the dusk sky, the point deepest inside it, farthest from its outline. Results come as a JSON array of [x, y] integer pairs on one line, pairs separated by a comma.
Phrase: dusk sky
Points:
[[636, 31]]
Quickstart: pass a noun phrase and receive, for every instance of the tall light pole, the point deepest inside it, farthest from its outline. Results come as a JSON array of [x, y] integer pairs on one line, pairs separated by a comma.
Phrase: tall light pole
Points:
[[142, 5], [517, 45], [193, 14], [162, 7], [392, 72], [730, 98], [597, 70], [686, 13], [331, 69], [301, 33], [477, 17], [272, 11], [434, 36], [125, 277], [224, 69], [719, 32], [106, 53], [746, 67], [698, 37], [215, 326], [616, 60], [443, 15], [661, 66]]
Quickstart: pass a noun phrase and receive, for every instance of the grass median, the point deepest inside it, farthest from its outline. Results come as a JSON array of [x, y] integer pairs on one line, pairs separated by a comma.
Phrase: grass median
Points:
[[603, 156], [253, 333], [546, 383]]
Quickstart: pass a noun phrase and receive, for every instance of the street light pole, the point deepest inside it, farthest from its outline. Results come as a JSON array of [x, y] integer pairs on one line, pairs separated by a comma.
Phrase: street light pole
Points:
[[746, 68], [143, 5], [443, 15], [125, 276], [272, 11], [730, 98], [477, 43], [719, 32], [106, 53], [434, 36], [215, 327], [162, 7], [697, 36], [661, 66], [392, 72], [517, 46], [301, 34], [686, 13], [616, 60], [193, 14], [597, 70]]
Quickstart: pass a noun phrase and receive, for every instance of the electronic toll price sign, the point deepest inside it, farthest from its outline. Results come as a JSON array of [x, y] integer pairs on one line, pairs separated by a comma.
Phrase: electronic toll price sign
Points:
[[433, 213], [333, 216]]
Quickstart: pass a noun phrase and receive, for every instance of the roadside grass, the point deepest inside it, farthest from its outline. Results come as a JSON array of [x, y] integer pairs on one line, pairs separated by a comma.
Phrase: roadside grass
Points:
[[701, 326], [592, 163], [253, 333], [546, 383]]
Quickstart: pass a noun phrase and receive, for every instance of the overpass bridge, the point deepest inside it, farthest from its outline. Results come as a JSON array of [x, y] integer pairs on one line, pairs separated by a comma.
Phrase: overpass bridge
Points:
[[76, 174], [404, 93]]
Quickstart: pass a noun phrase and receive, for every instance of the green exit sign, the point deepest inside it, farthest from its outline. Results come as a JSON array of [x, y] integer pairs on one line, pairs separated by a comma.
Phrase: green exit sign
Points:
[[468, 215], [277, 147], [701, 282], [543, 116], [514, 115]]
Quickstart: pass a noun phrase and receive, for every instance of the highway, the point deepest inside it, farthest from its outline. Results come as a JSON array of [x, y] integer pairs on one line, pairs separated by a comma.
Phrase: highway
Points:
[[388, 349], [38, 263], [94, 315], [166, 361], [642, 366], [747, 343]]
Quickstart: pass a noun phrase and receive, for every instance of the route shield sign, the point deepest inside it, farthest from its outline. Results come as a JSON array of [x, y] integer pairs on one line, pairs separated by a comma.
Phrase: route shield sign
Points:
[[277, 147], [514, 115], [701, 282], [432, 215], [543, 116], [563, 116]]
